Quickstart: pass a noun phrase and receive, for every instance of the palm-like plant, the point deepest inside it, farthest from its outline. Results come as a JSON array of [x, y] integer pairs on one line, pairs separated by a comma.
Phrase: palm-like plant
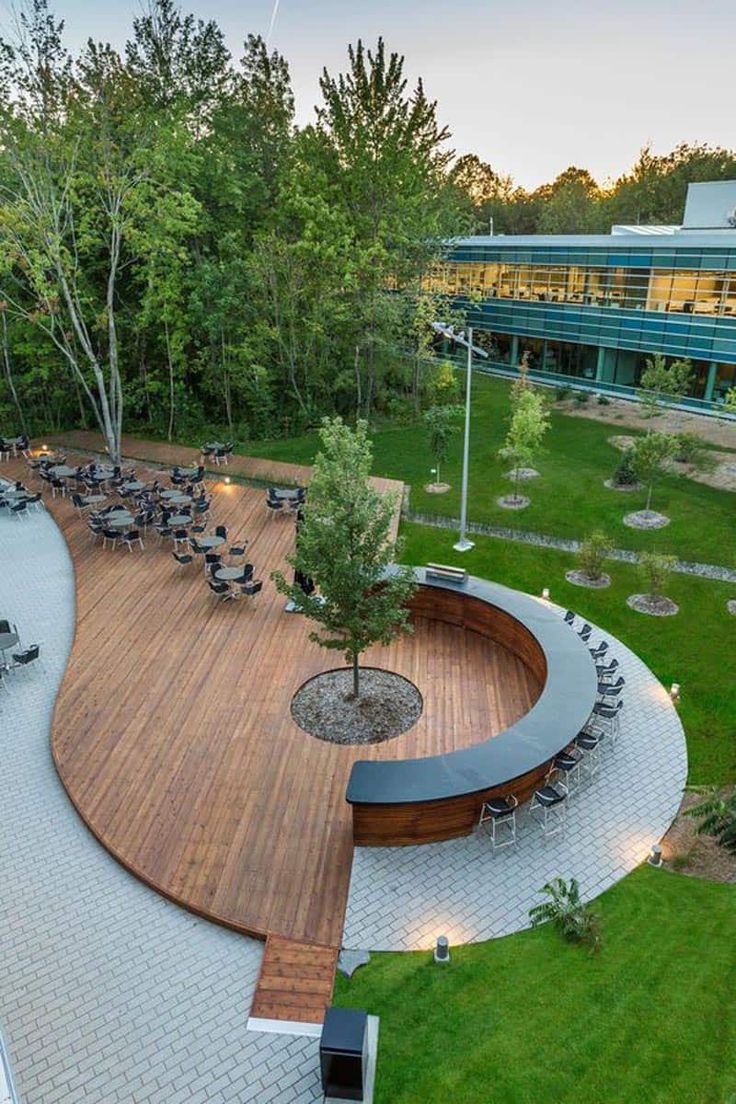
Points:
[[717, 816], [574, 920]]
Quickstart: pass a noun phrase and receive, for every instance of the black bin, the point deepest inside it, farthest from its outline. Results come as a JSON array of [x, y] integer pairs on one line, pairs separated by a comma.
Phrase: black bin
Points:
[[343, 1053]]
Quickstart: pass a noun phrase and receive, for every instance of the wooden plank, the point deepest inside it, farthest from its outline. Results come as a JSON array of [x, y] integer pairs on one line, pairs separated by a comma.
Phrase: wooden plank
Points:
[[288, 990], [174, 738]]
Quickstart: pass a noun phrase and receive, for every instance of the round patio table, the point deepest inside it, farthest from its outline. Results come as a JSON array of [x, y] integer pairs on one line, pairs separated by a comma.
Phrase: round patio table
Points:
[[133, 485], [180, 520], [62, 470], [210, 542], [171, 492], [8, 640], [231, 573], [188, 473], [214, 445], [94, 499], [118, 521], [181, 500]]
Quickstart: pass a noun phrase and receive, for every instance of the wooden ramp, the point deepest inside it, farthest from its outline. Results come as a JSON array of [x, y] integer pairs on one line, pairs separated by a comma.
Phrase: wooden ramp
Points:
[[295, 982]]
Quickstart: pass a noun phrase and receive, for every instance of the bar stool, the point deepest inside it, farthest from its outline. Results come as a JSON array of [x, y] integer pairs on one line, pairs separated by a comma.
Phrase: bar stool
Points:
[[500, 813], [569, 763], [551, 802], [589, 744]]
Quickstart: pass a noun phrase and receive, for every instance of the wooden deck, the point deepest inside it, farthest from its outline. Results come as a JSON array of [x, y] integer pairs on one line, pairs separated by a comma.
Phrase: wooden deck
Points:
[[174, 739], [295, 982]]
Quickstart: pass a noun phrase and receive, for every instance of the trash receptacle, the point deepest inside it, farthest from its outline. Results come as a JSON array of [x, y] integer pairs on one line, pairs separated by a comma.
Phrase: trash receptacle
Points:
[[343, 1053]]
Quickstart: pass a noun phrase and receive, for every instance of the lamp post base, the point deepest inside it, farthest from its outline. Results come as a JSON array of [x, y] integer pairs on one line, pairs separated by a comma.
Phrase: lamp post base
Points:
[[463, 545]]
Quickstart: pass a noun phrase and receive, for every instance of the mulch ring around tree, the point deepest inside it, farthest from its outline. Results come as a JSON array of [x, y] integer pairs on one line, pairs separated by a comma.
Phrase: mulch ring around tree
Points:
[[387, 705], [646, 519], [731, 606], [436, 488], [513, 502], [653, 604], [614, 486], [582, 579], [522, 474]]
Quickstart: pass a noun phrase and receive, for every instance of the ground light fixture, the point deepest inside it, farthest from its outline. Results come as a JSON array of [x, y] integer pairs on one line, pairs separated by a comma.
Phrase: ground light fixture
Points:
[[545, 593], [442, 949], [227, 479], [655, 855], [448, 332], [675, 691]]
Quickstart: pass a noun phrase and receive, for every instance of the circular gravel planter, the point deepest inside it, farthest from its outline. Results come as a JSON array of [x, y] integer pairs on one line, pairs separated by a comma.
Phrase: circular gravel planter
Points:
[[579, 578], [436, 488], [522, 474], [646, 519], [731, 606], [513, 502], [655, 607], [625, 488], [388, 705]]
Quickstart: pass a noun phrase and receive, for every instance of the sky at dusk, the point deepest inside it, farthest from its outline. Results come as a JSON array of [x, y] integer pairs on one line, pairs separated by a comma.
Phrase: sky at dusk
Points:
[[529, 86]]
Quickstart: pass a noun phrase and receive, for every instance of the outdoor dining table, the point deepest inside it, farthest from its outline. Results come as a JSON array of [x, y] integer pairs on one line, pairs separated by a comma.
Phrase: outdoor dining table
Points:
[[61, 471], [180, 500], [171, 492], [230, 573], [287, 494], [180, 519], [118, 520], [210, 542], [188, 473], [214, 445], [133, 485]]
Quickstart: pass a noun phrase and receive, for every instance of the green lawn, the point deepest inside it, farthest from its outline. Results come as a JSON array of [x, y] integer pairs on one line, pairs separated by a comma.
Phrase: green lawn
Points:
[[569, 498], [530, 1019], [695, 648]]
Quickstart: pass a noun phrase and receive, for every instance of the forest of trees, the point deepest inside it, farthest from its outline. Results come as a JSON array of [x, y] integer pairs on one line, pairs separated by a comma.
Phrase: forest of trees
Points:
[[177, 255]]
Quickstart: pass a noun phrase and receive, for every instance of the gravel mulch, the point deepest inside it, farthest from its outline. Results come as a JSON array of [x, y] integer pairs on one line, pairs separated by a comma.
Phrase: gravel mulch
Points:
[[653, 605], [646, 519], [731, 606], [698, 856], [624, 487], [436, 488], [388, 705], [522, 474], [513, 502], [581, 578]]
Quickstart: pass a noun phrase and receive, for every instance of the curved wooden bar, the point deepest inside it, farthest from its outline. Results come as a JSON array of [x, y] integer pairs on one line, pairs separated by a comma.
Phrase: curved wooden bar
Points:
[[409, 801]]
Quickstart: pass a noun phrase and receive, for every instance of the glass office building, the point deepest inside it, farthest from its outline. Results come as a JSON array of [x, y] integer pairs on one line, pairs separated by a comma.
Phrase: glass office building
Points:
[[594, 308]]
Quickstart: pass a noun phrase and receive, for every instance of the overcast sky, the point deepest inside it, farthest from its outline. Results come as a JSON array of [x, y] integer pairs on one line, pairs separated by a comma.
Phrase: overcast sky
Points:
[[531, 86]]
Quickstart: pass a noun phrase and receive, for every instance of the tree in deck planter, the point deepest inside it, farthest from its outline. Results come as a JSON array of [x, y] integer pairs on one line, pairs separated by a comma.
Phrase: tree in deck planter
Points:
[[344, 545], [529, 423], [441, 423], [649, 455]]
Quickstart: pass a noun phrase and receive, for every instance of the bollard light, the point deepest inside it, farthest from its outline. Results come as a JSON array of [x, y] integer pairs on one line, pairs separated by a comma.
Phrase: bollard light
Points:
[[545, 593], [655, 855], [675, 691], [442, 949], [227, 479]]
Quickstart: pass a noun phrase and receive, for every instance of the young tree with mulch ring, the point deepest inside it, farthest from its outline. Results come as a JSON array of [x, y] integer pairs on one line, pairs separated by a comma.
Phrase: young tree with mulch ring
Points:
[[441, 423], [655, 568], [344, 545], [592, 555], [649, 455], [529, 423]]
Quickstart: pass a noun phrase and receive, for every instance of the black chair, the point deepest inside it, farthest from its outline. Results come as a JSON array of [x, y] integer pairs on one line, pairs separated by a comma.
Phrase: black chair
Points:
[[611, 689], [251, 589], [237, 549], [222, 590], [183, 558], [20, 509], [28, 655], [549, 808], [568, 763], [599, 651], [111, 535], [133, 536], [275, 505], [221, 531], [569, 617], [585, 633], [499, 813], [212, 560]]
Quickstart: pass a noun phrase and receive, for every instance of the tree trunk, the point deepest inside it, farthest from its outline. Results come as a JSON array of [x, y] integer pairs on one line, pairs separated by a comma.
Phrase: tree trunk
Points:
[[171, 381], [649, 496], [356, 675], [9, 373]]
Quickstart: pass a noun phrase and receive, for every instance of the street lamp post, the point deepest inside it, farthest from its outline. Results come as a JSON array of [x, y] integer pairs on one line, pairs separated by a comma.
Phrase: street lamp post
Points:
[[448, 332]]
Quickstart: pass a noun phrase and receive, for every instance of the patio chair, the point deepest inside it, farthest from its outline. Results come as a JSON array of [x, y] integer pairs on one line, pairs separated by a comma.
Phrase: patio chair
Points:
[[589, 744], [221, 531], [585, 632], [27, 656], [608, 690], [180, 536], [604, 672], [164, 532], [600, 650], [569, 764], [183, 558], [275, 505], [549, 808], [111, 535], [20, 509], [499, 814], [133, 536], [251, 589], [223, 590], [604, 719], [212, 560], [569, 617], [58, 485], [95, 528], [78, 502], [35, 502], [237, 549]]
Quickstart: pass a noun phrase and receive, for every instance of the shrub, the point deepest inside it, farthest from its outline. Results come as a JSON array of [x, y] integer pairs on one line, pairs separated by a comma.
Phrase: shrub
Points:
[[624, 475], [574, 920], [592, 554], [656, 568], [687, 447], [442, 387], [581, 397], [603, 400], [562, 392], [717, 817]]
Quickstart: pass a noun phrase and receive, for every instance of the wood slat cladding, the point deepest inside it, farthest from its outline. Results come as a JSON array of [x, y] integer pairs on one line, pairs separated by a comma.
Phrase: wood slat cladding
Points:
[[295, 982], [174, 739]]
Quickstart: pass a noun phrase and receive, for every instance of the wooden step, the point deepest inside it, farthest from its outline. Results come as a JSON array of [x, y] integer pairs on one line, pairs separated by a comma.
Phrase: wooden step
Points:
[[295, 982]]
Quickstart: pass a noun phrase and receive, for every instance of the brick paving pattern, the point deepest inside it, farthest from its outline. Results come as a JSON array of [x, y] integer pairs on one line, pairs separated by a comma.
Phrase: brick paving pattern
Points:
[[108, 992]]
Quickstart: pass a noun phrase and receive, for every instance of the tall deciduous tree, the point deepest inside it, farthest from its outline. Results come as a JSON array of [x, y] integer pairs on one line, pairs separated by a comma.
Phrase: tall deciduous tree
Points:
[[344, 545]]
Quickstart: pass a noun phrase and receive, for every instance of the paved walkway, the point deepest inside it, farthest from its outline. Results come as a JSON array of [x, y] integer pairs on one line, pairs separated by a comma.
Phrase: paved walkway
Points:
[[402, 898], [108, 992]]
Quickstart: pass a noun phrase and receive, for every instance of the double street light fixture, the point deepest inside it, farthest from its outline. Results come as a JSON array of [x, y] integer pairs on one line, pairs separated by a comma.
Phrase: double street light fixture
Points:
[[448, 332]]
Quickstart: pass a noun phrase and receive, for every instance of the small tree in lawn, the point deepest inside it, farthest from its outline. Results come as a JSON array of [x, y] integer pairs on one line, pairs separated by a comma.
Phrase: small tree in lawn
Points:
[[660, 382], [656, 568], [592, 555], [649, 455], [529, 423], [344, 545], [441, 426]]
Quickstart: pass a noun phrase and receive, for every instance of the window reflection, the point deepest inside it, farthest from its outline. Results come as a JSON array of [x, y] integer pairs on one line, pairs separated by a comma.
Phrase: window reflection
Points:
[[689, 291]]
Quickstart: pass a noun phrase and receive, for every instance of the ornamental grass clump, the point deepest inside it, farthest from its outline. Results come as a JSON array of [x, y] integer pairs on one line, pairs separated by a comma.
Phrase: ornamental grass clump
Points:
[[575, 921]]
